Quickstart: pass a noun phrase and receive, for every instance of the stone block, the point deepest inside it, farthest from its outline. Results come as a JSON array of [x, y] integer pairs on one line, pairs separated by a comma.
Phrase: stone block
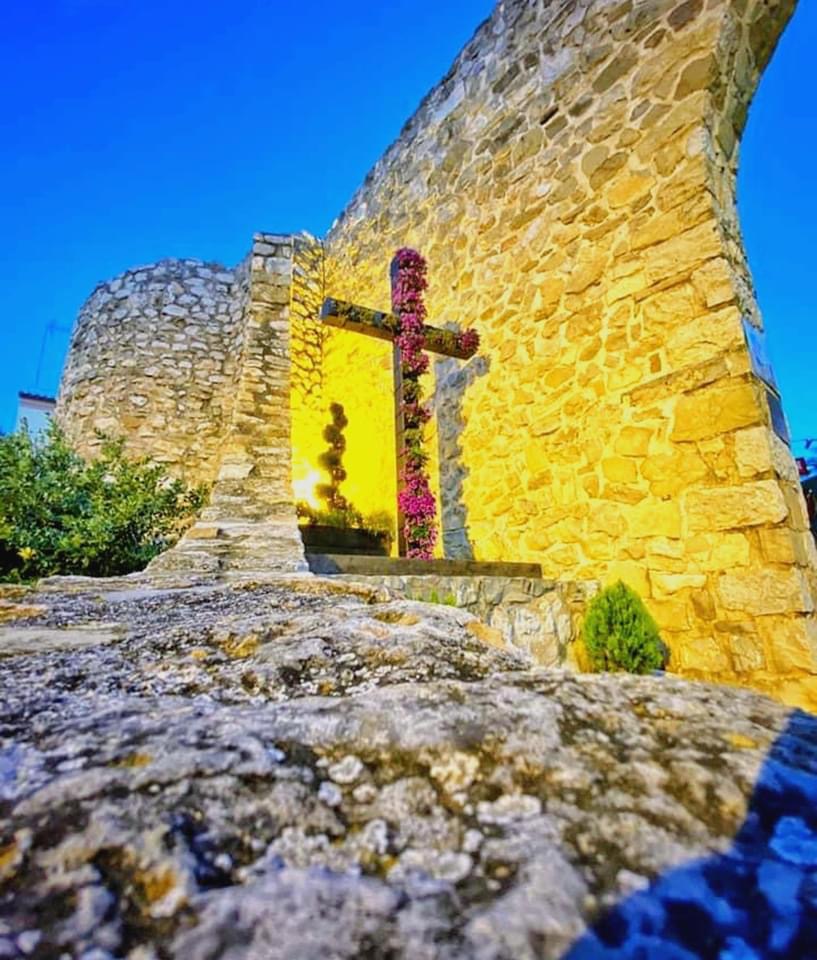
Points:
[[682, 254], [201, 532], [655, 518], [703, 605], [798, 514], [713, 283], [779, 545], [721, 551], [663, 547], [619, 470], [698, 340], [744, 646], [702, 657], [671, 613], [627, 189], [696, 75], [791, 642], [753, 453], [606, 518], [667, 584], [806, 550], [715, 410], [782, 459], [670, 473], [486, 634], [633, 441], [236, 470], [759, 592], [727, 508]]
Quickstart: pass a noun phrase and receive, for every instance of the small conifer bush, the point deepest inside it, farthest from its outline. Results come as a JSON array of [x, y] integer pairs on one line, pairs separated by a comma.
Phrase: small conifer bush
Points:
[[620, 634]]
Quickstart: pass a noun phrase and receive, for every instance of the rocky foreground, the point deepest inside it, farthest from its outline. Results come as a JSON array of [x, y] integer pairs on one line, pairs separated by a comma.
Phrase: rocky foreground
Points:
[[300, 770]]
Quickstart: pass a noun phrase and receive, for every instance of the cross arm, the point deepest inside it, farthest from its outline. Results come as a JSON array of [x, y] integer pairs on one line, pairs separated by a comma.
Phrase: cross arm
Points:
[[385, 326]]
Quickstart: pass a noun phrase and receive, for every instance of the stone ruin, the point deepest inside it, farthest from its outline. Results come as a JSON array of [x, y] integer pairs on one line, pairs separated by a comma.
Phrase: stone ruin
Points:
[[571, 182]]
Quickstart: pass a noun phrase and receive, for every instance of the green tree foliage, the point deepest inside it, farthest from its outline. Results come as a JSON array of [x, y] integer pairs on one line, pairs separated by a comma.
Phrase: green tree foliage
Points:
[[620, 634], [62, 515]]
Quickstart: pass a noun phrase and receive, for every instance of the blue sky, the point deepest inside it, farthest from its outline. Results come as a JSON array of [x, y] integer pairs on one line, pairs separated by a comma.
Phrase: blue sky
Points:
[[133, 130], [777, 200]]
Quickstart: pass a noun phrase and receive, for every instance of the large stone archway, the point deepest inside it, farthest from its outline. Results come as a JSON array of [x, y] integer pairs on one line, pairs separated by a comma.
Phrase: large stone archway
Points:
[[572, 183]]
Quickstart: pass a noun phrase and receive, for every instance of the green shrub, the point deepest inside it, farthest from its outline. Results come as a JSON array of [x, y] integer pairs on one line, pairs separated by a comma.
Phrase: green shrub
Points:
[[446, 600], [379, 523], [62, 515], [620, 634], [433, 596]]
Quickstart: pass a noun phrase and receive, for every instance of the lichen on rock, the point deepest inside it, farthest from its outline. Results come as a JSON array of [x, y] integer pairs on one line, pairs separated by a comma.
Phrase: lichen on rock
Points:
[[330, 781]]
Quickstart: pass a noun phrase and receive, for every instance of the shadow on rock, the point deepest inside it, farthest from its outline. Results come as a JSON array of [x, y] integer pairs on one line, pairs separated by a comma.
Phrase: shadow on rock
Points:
[[756, 900]]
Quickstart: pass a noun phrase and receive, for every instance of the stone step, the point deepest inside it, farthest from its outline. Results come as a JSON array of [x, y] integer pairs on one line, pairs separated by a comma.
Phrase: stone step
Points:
[[236, 544], [224, 507], [326, 563]]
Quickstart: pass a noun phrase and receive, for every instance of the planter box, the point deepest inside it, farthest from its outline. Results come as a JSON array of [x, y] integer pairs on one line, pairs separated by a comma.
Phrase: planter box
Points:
[[345, 540]]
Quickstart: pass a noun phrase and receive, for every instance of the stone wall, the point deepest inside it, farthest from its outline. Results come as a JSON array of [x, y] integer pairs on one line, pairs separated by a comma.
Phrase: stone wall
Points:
[[190, 363], [153, 359], [364, 385], [540, 617], [309, 408], [572, 183], [250, 523]]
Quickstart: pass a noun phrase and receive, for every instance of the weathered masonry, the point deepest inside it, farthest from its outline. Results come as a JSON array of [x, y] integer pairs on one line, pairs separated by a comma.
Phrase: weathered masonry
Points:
[[191, 363], [571, 182]]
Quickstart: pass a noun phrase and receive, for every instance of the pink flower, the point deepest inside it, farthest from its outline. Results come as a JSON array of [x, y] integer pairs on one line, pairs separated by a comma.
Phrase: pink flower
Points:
[[468, 341], [416, 501]]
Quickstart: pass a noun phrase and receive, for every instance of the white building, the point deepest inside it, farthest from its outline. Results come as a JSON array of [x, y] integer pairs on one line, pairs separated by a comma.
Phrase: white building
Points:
[[34, 411]]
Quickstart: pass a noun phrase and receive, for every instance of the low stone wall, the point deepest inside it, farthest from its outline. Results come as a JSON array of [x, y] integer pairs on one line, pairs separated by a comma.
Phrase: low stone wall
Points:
[[190, 363], [541, 617]]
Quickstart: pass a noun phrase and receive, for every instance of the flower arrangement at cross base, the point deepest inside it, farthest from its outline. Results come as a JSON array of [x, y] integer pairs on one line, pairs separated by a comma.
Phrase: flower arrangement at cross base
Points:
[[415, 499]]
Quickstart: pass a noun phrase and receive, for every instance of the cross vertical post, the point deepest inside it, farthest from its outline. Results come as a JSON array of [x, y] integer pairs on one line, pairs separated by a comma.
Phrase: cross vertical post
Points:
[[399, 424]]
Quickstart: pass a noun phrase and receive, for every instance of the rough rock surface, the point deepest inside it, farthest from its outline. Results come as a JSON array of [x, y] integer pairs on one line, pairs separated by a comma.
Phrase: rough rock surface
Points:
[[304, 770]]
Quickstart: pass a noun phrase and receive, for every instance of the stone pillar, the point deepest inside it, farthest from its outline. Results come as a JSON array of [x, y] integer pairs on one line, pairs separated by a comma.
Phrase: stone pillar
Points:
[[250, 522], [310, 409]]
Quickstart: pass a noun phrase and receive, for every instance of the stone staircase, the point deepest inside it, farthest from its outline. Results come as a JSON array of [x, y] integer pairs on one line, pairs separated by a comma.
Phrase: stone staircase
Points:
[[273, 546], [250, 524]]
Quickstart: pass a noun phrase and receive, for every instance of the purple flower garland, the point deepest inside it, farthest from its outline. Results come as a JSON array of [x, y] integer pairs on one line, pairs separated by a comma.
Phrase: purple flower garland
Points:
[[416, 501]]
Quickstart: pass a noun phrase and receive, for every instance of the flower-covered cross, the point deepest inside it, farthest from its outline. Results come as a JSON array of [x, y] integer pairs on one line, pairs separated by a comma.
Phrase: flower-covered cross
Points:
[[412, 339]]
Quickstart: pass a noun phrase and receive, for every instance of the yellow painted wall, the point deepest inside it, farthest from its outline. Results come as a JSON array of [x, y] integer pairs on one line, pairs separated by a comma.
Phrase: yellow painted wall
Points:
[[571, 183]]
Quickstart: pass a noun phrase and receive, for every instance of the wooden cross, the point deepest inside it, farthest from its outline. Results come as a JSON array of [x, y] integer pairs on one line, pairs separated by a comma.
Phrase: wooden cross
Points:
[[386, 326]]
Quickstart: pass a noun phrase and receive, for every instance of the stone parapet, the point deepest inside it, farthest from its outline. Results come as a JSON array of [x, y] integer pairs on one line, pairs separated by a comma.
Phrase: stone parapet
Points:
[[540, 617]]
